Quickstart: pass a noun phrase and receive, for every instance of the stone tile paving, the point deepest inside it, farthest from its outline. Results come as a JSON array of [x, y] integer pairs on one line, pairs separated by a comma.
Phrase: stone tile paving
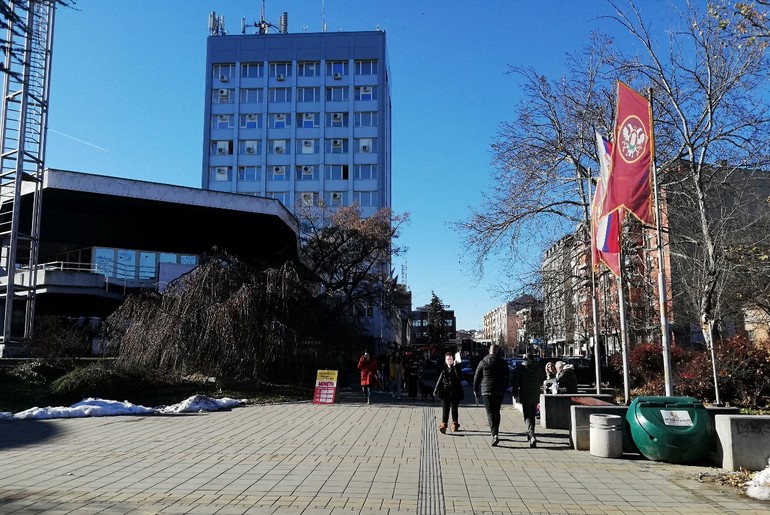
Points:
[[346, 458]]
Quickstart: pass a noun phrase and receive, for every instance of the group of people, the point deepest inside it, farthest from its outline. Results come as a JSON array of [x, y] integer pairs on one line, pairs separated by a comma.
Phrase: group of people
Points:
[[490, 382], [400, 372]]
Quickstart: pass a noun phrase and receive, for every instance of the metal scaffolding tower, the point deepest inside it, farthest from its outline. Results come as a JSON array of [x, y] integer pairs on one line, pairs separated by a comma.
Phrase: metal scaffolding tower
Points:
[[26, 83]]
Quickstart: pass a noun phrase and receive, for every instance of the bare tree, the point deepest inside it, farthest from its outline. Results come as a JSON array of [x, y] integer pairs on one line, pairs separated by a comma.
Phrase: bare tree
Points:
[[709, 109], [542, 159], [351, 255]]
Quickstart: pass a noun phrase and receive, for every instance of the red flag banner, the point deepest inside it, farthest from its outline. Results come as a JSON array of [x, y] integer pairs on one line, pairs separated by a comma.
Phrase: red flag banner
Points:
[[630, 182], [605, 228]]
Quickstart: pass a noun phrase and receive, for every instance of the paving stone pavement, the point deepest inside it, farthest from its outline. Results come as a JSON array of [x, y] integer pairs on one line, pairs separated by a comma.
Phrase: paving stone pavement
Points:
[[300, 458]]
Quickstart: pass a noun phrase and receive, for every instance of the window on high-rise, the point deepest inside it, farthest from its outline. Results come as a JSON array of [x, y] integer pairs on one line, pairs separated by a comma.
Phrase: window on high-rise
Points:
[[250, 147], [337, 94], [222, 121], [223, 72], [366, 93], [251, 121], [249, 173], [307, 120], [337, 172], [307, 146], [366, 119], [308, 95], [307, 173], [366, 145], [222, 96], [282, 196], [278, 147], [336, 119], [220, 173], [221, 147], [277, 173], [337, 146], [309, 69], [278, 95], [337, 69], [280, 70], [252, 96], [252, 70], [335, 198], [365, 198], [366, 67], [278, 121], [365, 172]]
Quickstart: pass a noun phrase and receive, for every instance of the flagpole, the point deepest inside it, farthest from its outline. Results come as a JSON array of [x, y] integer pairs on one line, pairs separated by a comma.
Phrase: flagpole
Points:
[[665, 340], [623, 331], [594, 307]]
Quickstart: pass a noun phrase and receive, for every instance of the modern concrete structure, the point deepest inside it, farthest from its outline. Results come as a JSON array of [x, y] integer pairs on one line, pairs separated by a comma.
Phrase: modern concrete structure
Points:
[[299, 117], [102, 238]]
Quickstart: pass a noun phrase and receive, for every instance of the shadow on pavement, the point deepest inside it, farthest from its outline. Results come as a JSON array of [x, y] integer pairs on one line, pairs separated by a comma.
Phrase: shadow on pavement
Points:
[[20, 433]]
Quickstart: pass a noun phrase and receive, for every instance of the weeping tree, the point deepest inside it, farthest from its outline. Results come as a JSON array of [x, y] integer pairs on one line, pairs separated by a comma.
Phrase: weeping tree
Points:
[[228, 320]]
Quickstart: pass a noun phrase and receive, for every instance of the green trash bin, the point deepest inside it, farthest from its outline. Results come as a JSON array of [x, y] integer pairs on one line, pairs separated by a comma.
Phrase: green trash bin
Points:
[[672, 429]]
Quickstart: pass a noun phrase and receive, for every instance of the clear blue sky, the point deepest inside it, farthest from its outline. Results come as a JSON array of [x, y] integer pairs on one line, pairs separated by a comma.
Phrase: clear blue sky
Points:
[[127, 97]]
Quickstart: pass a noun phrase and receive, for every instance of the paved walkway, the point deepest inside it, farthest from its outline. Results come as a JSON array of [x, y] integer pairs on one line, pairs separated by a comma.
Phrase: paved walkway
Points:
[[386, 458]]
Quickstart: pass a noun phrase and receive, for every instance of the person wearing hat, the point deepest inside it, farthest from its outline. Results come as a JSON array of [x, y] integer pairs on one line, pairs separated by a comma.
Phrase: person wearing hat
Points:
[[526, 389]]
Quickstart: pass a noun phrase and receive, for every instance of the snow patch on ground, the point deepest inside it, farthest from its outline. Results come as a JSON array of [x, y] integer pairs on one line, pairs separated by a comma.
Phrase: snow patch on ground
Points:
[[94, 407], [759, 487]]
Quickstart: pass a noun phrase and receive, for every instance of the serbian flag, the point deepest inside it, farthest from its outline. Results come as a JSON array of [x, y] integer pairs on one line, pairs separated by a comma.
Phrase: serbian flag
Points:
[[630, 181], [605, 230]]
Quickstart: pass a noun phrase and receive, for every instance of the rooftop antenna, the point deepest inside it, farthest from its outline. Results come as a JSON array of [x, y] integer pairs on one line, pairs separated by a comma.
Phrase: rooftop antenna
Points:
[[263, 25], [216, 24], [323, 16]]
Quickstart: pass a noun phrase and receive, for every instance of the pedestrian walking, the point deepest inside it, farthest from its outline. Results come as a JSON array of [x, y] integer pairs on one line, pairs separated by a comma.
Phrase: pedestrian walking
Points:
[[491, 380], [449, 389], [396, 372], [368, 367], [526, 383]]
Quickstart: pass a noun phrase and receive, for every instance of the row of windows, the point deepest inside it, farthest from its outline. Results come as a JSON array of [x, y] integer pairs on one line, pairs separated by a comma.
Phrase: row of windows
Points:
[[335, 69], [283, 147], [284, 95], [303, 120], [301, 173]]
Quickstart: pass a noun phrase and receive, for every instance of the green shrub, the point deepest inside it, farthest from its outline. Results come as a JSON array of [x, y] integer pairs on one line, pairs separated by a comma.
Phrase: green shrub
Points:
[[98, 380]]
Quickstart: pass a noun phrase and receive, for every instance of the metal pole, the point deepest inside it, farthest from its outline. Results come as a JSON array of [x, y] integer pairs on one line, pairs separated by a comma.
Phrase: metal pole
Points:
[[623, 332], [594, 307], [665, 340]]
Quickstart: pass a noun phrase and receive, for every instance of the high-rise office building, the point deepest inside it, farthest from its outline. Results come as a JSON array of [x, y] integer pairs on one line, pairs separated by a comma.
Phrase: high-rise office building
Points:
[[298, 117], [301, 118]]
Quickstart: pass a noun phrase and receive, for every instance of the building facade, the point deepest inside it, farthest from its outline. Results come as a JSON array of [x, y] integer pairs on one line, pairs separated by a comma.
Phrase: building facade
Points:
[[299, 117]]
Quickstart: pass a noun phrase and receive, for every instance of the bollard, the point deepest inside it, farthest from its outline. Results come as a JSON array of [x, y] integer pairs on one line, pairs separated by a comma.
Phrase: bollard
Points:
[[606, 436]]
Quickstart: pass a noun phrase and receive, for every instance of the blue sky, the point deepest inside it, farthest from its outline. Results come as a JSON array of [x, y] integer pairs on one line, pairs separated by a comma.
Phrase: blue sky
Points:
[[127, 96]]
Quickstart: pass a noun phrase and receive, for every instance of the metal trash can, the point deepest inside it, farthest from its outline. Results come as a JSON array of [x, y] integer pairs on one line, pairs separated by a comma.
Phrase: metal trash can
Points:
[[672, 429], [606, 435]]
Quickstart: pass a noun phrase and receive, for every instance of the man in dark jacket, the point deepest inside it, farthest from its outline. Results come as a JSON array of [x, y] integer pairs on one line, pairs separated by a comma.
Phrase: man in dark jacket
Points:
[[526, 383], [491, 380], [566, 377]]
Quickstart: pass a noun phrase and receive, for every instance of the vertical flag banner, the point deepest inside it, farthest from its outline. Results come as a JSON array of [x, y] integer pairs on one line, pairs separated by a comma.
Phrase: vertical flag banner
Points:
[[605, 230], [630, 181]]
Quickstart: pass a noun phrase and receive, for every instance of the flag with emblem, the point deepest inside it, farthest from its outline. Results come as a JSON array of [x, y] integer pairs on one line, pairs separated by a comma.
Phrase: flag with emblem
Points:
[[605, 229], [630, 180]]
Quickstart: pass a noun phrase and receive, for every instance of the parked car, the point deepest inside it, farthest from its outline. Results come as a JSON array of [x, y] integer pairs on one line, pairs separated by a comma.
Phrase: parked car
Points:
[[467, 370]]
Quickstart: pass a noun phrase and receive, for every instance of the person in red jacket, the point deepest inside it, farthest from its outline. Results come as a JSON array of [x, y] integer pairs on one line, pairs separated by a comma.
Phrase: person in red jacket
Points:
[[368, 367]]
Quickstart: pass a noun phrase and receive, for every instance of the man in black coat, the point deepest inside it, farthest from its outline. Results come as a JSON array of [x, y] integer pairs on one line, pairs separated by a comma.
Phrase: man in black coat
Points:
[[526, 383], [491, 380]]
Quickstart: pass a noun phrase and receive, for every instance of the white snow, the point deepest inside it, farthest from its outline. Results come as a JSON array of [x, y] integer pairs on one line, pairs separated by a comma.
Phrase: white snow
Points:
[[94, 407], [759, 487]]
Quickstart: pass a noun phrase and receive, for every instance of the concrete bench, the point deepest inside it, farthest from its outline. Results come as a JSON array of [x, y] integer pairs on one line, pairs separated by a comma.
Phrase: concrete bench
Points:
[[743, 441], [555, 408]]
